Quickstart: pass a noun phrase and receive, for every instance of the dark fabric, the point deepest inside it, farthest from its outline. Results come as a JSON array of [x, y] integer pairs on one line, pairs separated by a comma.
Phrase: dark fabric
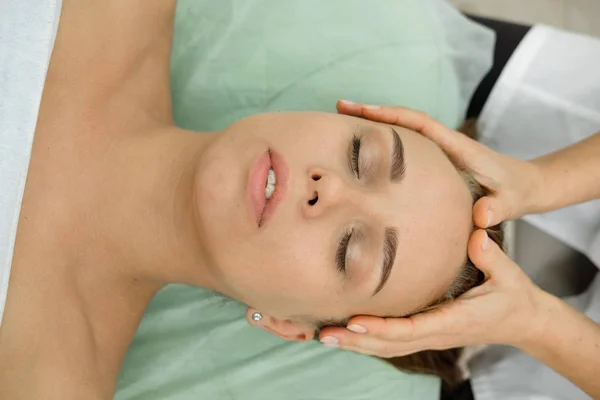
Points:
[[508, 37], [460, 392]]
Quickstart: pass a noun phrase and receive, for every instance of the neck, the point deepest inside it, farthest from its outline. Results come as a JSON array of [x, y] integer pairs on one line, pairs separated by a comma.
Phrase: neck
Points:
[[135, 232], [149, 231]]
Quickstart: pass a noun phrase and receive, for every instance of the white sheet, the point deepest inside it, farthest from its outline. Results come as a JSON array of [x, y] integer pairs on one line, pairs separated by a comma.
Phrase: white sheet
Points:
[[27, 33], [547, 98]]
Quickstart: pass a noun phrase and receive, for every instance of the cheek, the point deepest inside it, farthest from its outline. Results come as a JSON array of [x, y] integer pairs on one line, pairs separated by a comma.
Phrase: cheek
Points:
[[282, 270], [306, 138], [217, 185]]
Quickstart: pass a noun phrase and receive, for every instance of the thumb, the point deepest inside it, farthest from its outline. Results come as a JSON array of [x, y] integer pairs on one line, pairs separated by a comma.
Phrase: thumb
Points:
[[490, 211], [487, 255]]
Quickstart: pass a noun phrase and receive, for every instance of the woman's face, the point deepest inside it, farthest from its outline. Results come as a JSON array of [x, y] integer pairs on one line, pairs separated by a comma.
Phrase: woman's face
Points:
[[366, 218]]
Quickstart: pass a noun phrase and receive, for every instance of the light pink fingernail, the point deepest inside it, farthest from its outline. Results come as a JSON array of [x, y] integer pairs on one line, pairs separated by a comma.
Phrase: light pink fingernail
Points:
[[486, 242], [371, 107], [348, 102], [357, 328], [490, 216], [330, 341]]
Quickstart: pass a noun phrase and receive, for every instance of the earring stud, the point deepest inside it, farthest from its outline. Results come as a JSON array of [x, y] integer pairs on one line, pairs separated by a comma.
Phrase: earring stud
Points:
[[257, 316]]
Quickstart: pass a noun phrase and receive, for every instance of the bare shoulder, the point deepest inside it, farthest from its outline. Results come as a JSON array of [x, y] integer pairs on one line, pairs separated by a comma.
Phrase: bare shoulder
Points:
[[46, 374], [108, 42], [47, 350]]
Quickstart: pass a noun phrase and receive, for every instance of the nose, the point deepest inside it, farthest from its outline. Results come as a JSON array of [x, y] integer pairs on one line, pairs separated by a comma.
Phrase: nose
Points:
[[327, 191]]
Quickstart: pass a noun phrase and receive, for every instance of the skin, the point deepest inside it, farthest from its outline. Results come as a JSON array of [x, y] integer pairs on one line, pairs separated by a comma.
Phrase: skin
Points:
[[287, 267], [543, 325], [120, 202]]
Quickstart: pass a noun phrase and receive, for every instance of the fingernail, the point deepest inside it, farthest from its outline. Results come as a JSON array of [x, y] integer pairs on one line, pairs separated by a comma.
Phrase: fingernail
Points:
[[486, 242], [348, 102], [357, 328], [371, 107], [330, 341], [490, 218]]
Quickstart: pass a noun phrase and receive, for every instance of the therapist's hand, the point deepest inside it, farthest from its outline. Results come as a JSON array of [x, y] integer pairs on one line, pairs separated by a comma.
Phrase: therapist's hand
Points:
[[508, 308], [512, 184]]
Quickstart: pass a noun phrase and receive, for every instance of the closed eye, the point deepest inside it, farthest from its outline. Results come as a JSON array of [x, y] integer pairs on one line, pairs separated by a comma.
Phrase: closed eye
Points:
[[355, 155], [342, 252]]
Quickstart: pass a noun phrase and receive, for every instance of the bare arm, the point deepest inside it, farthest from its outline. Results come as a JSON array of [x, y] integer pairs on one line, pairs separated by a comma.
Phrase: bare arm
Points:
[[105, 48], [570, 344], [570, 176]]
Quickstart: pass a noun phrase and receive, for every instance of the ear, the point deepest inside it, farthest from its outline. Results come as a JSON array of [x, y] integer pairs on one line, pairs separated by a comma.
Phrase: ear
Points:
[[284, 328]]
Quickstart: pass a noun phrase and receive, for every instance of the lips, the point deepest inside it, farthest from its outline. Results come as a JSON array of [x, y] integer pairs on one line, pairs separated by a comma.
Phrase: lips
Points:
[[282, 174], [263, 210]]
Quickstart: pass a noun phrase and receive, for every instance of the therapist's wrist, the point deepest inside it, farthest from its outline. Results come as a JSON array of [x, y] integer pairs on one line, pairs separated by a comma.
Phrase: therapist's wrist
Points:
[[539, 325], [539, 196]]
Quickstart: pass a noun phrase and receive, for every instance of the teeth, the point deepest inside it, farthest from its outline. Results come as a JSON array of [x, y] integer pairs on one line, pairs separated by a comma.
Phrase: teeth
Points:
[[271, 178], [269, 190], [270, 186]]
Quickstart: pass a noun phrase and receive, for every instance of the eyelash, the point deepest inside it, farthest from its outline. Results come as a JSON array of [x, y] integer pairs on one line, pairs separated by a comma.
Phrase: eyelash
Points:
[[342, 253], [356, 144]]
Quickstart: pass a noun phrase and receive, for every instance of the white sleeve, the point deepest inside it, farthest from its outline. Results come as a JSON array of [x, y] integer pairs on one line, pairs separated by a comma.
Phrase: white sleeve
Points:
[[506, 373], [548, 97]]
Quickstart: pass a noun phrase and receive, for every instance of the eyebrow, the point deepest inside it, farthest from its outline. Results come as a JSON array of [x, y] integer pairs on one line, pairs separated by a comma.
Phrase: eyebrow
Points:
[[398, 167], [390, 242], [390, 246]]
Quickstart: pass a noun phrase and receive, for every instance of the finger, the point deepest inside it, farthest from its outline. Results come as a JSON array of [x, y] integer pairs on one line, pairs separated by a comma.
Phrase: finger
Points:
[[477, 291], [349, 108], [367, 344], [336, 336], [384, 328], [490, 211], [487, 255], [454, 143], [416, 327], [389, 336], [367, 352], [389, 349]]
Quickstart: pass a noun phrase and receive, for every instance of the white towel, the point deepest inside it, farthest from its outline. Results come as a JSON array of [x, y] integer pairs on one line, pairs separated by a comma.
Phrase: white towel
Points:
[[27, 32]]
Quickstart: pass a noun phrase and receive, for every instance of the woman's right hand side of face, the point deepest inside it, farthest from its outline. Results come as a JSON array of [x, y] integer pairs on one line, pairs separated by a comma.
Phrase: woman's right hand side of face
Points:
[[514, 186]]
